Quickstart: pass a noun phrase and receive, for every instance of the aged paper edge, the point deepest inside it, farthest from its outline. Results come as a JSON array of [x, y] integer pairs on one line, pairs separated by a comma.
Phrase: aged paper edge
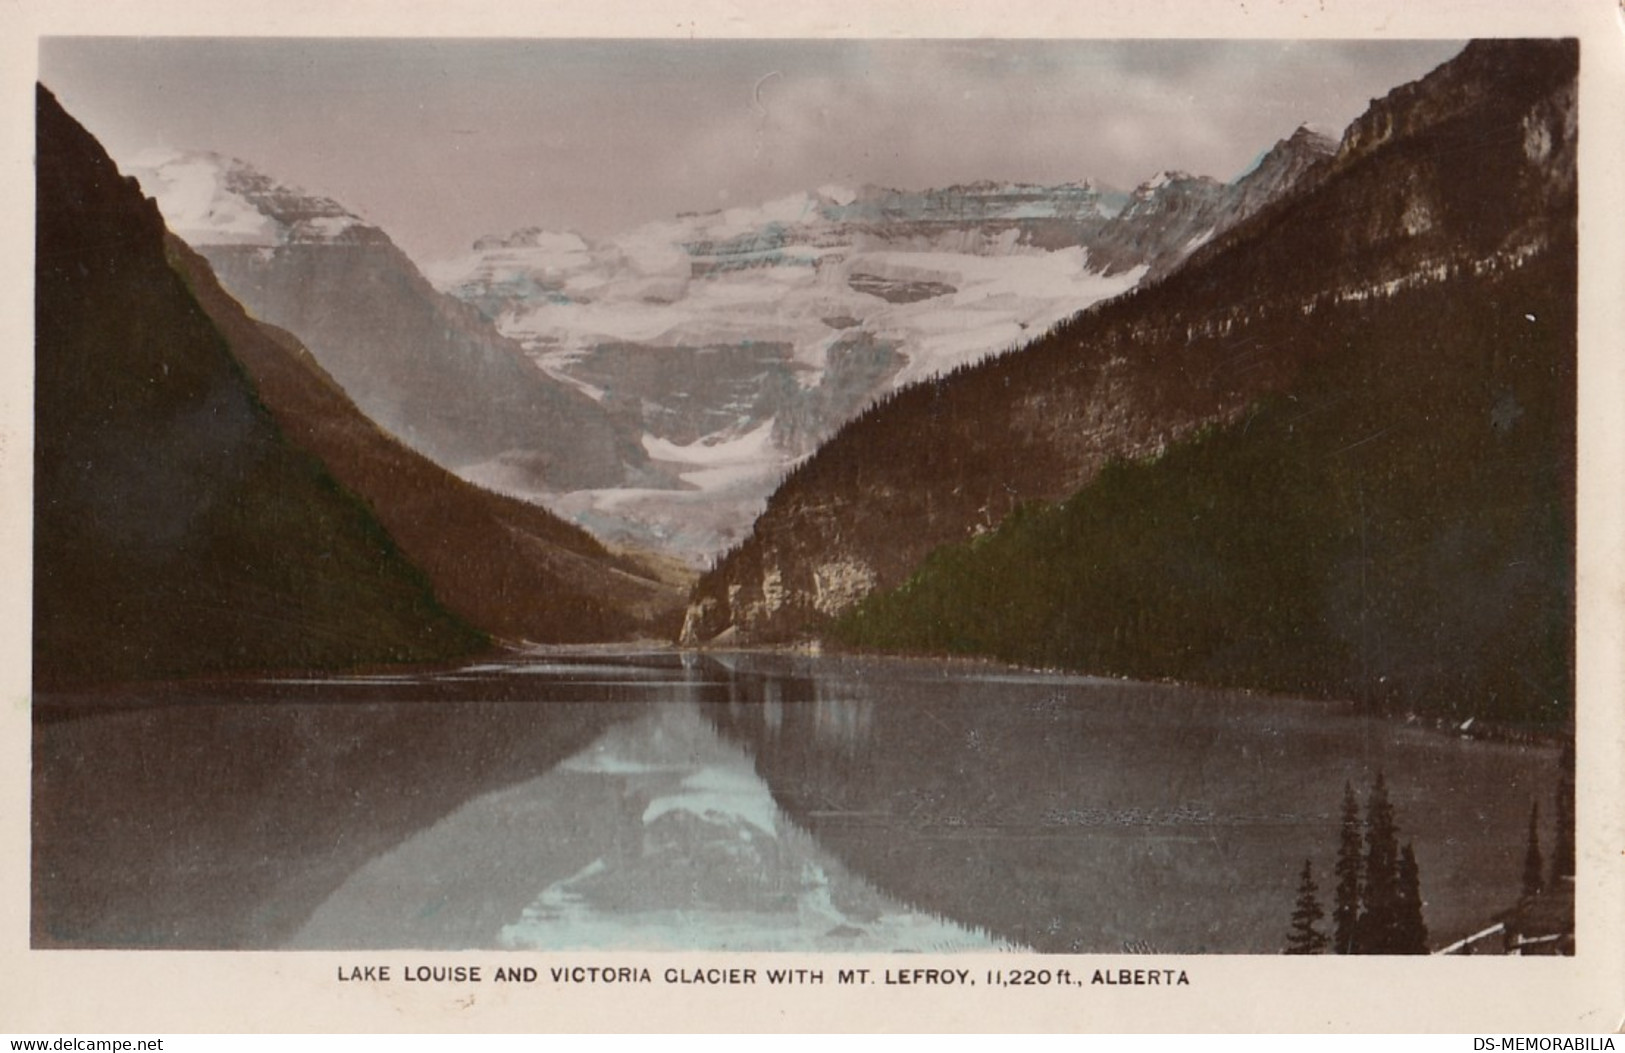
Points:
[[62, 992]]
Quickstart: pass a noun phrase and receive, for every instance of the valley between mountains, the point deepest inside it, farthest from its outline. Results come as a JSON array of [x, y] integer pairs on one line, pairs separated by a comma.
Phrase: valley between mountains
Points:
[[1309, 431], [1022, 563]]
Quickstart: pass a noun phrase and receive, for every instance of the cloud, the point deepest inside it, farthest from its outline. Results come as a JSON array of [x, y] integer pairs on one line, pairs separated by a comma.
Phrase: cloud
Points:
[[442, 141]]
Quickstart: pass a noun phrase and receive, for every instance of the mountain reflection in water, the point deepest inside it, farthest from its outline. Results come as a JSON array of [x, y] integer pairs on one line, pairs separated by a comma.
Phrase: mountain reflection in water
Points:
[[658, 835]]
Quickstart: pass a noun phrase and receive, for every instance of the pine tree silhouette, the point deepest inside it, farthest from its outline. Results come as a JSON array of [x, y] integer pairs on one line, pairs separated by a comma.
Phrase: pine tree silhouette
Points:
[[1563, 844], [1346, 904], [1305, 937], [1534, 865], [1377, 905], [1376, 932], [1410, 931]]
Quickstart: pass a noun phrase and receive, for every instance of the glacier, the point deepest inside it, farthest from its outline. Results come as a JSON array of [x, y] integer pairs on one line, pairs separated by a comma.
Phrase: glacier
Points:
[[726, 346]]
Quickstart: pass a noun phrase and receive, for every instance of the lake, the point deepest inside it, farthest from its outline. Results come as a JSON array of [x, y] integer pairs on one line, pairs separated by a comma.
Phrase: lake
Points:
[[653, 800]]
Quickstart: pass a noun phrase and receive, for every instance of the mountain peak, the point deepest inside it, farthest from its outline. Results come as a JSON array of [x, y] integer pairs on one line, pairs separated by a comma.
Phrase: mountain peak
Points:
[[1314, 136], [1281, 168], [1305, 146], [838, 194], [1307, 140], [212, 199], [533, 237], [1164, 178]]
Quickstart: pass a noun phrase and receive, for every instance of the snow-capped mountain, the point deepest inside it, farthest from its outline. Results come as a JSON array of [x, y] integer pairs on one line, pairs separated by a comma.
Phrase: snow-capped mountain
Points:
[[655, 386], [430, 369], [739, 340], [809, 271], [181, 531], [1185, 483], [210, 199]]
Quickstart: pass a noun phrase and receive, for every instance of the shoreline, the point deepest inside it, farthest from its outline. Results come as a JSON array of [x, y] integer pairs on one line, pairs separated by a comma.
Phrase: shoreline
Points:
[[57, 702]]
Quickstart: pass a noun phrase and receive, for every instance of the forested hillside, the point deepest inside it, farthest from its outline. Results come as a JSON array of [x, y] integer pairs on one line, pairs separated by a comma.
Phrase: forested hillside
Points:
[[1333, 453]]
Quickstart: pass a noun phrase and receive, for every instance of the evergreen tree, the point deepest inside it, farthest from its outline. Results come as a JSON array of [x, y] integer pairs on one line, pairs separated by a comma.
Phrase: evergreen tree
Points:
[[1563, 844], [1534, 866], [1305, 936], [1346, 904], [1379, 906], [1410, 931]]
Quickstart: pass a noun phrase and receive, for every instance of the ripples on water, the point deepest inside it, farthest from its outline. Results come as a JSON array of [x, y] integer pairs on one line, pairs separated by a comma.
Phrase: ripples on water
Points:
[[741, 802]]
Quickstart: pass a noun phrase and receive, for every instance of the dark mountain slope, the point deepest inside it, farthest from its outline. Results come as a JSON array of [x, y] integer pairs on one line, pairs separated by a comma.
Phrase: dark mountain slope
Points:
[[1417, 296], [510, 567], [176, 530], [428, 368], [1392, 534]]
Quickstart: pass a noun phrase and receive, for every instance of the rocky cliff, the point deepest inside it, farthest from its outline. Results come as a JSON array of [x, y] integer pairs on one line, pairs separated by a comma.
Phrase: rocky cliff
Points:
[[1415, 300], [428, 368], [177, 529], [735, 342]]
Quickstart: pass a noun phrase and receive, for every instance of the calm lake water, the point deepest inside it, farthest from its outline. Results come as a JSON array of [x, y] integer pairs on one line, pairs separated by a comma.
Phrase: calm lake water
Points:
[[737, 802]]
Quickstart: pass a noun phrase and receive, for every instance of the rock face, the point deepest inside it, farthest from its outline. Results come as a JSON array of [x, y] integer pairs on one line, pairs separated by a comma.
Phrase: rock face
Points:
[[509, 567], [219, 502], [736, 342], [1281, 170], [1171, 216], [1396, 273], [177, 530], [428, 368]]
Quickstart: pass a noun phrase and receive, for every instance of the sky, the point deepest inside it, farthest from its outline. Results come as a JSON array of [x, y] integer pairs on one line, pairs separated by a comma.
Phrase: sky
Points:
[[440, 142]]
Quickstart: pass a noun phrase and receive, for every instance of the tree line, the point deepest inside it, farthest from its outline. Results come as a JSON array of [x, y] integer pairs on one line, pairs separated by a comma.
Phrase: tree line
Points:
[[1377, 901]]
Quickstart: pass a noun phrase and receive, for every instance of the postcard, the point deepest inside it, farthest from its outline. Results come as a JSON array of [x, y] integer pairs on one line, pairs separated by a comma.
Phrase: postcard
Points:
[[659, 518]]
